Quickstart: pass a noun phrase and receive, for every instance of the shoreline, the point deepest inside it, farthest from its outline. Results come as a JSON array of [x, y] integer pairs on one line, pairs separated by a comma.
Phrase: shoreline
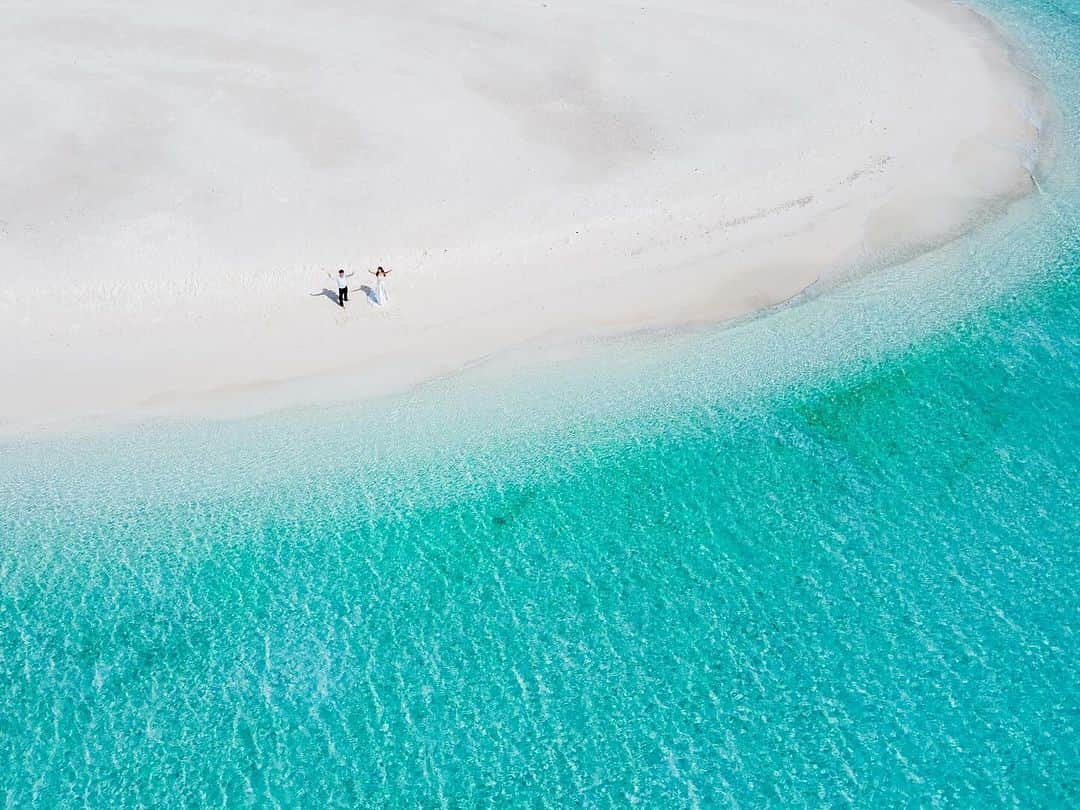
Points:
[[720, 261]]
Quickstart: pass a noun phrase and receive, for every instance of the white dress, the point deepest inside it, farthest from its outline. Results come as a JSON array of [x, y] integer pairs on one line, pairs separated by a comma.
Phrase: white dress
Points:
[[381, 297]]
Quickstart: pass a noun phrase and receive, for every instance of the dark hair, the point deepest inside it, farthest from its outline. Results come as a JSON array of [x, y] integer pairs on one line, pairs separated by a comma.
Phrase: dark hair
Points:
[[341, 271], [379, 268]]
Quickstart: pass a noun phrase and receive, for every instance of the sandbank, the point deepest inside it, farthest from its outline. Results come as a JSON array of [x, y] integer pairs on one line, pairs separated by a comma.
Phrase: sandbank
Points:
[[181, 181]]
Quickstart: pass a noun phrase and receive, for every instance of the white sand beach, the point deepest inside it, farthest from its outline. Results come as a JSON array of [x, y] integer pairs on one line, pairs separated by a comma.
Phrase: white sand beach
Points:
[[181, 180]]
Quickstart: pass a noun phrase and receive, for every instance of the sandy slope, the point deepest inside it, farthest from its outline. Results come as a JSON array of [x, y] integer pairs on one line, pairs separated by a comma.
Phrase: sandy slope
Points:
[[179, 179]]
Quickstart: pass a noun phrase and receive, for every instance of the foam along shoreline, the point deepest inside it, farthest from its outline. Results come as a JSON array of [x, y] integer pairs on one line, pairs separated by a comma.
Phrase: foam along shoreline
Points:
[[185, 180]]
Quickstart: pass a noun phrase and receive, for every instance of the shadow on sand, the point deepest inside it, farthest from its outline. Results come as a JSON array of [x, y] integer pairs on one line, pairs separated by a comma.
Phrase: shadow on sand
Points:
[[326, 293], [331, 295]]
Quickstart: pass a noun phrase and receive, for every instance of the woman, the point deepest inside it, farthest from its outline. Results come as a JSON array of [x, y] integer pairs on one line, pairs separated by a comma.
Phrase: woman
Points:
[[381, 298]]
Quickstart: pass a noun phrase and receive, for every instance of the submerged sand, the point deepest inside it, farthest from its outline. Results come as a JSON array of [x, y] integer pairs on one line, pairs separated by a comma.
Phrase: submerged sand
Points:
[[180, 182]]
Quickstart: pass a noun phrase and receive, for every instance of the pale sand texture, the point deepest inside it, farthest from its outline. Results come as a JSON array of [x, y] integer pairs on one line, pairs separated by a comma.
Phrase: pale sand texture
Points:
[[179, 179]]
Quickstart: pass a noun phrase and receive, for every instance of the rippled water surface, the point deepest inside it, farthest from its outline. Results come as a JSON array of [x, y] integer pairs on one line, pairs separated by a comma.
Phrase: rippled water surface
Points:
[[825, 556]]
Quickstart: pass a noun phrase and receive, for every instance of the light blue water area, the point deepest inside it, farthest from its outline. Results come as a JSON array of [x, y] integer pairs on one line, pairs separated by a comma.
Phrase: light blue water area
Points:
[[824, 556]]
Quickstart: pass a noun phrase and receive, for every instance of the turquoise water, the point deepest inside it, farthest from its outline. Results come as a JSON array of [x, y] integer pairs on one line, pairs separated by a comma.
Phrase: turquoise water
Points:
[[824, 556]]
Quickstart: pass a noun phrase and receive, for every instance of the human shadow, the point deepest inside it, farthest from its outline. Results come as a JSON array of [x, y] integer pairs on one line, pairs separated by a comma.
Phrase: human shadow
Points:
[[370, 293], [331, 295]]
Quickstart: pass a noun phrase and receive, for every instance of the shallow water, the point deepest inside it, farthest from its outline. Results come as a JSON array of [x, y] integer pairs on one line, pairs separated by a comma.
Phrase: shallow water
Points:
[[827, 555]]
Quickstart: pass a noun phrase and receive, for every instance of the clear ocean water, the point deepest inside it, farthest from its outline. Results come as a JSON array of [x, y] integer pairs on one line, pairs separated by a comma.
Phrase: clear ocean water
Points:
[[824, 556]]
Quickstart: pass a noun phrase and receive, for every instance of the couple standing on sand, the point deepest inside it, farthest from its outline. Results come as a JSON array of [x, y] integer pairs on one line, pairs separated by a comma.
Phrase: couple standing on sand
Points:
[[379, 295]]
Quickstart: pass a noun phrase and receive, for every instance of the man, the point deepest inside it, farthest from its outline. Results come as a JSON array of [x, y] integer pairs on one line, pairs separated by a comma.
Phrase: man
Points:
[[342, 289]]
